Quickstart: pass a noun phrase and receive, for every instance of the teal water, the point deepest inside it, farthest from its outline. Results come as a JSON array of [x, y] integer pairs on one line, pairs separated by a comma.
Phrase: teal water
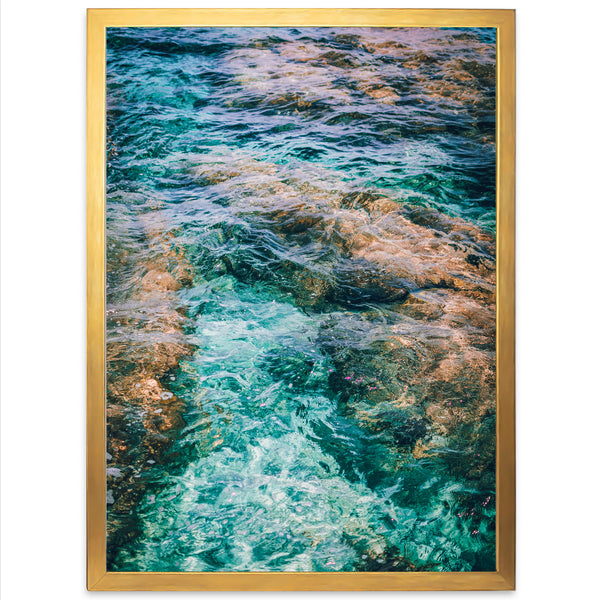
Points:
[[300, 299]]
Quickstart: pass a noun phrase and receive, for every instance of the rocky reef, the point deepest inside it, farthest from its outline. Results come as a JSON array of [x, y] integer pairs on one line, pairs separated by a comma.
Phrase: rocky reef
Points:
[[405, 296], [145, 344]]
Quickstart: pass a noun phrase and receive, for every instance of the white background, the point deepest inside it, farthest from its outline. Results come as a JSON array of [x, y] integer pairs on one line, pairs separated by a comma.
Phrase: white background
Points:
[[43, 295]]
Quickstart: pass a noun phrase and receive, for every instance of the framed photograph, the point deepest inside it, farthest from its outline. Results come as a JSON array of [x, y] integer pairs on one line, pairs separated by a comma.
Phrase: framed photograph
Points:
[[300, 299]]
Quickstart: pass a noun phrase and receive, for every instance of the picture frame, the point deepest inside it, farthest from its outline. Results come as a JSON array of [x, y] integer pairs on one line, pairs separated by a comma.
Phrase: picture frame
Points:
[[99, 578]]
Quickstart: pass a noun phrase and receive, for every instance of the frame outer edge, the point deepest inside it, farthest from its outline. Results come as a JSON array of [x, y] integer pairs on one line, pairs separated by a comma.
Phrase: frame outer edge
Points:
[[97, 576]]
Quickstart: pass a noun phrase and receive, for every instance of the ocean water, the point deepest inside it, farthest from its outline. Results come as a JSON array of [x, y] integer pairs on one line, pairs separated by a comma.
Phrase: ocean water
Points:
[[300, 299]]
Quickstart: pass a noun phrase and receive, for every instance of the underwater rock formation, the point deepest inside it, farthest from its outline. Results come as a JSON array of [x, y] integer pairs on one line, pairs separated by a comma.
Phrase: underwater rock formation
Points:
[[145, 344], [428, 276]]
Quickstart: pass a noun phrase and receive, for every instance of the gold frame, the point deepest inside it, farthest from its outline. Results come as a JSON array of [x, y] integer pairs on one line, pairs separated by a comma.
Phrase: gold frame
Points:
[[97, 576]]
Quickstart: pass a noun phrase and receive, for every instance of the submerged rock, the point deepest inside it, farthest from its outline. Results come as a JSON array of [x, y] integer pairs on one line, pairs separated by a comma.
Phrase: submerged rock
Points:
[[391, 560], [368, 248], [145, 343], [159, 280], [406, 430], [409, 293]]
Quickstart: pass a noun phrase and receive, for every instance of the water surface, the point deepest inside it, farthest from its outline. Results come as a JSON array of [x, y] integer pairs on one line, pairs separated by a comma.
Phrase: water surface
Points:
[[300, 299]]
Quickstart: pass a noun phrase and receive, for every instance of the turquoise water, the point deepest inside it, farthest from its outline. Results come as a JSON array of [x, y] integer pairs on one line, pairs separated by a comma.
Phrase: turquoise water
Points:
[[300, 299]]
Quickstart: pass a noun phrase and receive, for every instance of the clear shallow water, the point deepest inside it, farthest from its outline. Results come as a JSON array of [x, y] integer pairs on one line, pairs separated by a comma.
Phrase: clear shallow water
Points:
[[300, 291]]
